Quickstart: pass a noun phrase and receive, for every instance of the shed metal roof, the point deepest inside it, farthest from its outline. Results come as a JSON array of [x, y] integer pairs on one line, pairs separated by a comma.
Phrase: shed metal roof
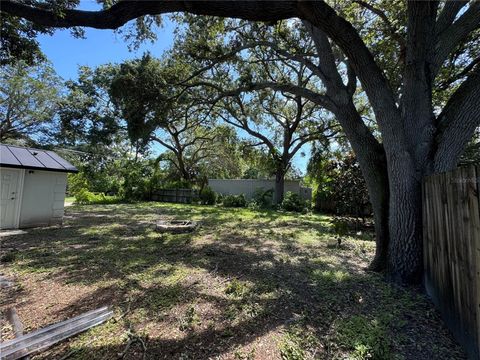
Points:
[[27, 158]]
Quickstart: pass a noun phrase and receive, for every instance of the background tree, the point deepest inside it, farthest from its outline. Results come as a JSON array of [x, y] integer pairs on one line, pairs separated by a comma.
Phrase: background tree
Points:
[[144, 91], [222, 159], [273, 117], [28, 102], [282, 124], [89, 130], [258, 164]]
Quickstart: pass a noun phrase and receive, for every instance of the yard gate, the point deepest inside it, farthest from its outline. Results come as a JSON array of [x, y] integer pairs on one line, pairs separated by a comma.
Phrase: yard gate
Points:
[[451, 229]]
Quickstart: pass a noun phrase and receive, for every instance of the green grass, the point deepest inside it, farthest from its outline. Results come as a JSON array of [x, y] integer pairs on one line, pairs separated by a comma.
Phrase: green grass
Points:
[[247, 284], [70, 199]]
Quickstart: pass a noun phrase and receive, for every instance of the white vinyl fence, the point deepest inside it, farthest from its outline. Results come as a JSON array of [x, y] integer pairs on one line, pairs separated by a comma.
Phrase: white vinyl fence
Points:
[[249, 186]]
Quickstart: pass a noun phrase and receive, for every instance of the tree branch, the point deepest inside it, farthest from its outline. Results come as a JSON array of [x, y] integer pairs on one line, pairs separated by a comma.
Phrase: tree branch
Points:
[[123, 11], [448, 14], [244, 125], [455, 34], [352, 79], [318, 99], [457, 123], [163, 143], [445, 84], [318, 13], [330, 76], [369, 73], [391, 29]]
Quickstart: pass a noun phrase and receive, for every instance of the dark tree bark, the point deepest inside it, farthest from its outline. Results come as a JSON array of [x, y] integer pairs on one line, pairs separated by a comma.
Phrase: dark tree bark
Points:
[[372, 159], [457, 123], [279, 184]]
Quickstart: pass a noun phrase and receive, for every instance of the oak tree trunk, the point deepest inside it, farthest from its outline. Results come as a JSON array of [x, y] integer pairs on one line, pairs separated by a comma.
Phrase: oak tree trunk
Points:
[[379, 194], [374, 169], [405, 250], [182, 167], [373, 164], [279, 185]]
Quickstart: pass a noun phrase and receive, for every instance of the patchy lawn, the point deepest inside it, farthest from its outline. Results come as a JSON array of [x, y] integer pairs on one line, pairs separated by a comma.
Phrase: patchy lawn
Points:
[[246, 285]]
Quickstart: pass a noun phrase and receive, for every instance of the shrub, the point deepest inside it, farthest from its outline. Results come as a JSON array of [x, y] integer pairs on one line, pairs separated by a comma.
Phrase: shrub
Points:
[[234, 201], [340, 226], [176, 184], [262, 199], [208, 196], [135, 187], [83, 196], [190, 320], [366, 338], [293, 202], [339, 185], [87, 197], [236, 288], [77, 183]]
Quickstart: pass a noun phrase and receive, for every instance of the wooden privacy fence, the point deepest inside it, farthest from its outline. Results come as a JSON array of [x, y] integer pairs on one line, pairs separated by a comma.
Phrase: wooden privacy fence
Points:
[[451, 226], [184, 196]]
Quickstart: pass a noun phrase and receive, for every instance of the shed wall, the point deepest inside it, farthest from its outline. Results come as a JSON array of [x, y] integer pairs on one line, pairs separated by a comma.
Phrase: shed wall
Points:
[[43, 198]]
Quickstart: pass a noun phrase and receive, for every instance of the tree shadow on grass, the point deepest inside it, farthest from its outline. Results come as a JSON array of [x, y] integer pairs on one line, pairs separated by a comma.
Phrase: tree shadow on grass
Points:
[[244, 283]]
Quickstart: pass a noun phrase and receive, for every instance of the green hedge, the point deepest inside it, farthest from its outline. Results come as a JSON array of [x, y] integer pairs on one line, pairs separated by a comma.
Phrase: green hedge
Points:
[[234, 200]]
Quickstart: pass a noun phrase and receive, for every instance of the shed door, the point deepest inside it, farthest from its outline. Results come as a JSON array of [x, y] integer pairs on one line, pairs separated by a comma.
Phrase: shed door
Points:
[[9, 187]]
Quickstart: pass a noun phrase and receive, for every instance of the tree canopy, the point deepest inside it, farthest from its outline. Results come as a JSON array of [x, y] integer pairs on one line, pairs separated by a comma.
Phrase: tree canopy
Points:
[[28, 102]]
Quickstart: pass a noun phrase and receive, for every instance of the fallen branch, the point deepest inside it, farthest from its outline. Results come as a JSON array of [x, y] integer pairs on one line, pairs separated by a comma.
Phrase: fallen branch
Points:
[[132, 339]]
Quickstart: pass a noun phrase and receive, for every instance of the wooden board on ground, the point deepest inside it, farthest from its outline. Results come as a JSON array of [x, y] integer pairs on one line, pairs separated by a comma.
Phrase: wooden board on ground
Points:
[[17, 325], [42, 339]]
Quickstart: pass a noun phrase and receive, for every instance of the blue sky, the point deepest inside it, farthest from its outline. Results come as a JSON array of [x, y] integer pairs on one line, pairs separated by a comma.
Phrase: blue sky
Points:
[[67, 53]]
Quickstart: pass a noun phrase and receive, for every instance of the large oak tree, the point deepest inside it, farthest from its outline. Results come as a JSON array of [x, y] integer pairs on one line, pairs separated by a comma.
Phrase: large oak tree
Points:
[[417, 138]]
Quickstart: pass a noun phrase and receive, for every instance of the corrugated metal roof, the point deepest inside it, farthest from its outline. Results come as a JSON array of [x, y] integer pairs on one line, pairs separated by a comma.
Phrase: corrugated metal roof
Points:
[[27, 158]]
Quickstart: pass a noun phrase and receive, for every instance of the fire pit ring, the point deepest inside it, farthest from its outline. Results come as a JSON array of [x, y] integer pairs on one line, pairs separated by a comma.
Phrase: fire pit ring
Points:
[[176, 226]]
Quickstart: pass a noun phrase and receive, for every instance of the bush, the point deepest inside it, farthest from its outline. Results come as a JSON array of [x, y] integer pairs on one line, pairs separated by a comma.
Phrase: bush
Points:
[[234, 201], [339, 185], [293, 202], [176, 184], [364, 337], [208, 196], [262, 199], [77, 183], [87, 197], [340, 226]]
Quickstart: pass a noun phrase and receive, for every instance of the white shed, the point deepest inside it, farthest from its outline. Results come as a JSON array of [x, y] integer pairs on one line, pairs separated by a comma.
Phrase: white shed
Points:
[[33, 183]]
